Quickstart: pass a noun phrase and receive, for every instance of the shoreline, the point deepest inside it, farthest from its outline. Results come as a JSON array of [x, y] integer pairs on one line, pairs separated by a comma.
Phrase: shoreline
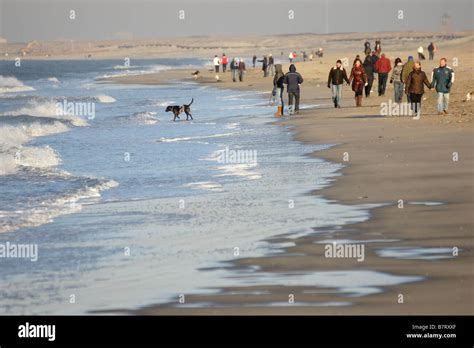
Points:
[[446, 286]]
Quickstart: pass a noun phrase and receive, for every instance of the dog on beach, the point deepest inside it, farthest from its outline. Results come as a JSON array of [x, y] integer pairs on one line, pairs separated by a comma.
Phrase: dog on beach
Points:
[[177, 110], [196, 74], [469, 96]]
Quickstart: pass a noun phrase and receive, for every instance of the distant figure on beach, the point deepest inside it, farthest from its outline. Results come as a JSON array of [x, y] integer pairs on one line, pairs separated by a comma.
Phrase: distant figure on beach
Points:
[[359, 81], [292, 56], [406, 70], [421, 56], [293, 79], [336, 78], [224, 62], [320, 52], [278, 86], [367, 48], [254, 60], [264, 62], [396, 79], [415, 87], [369, 70], [217, 62], [271, 65], [234, 69], [383, 67], [431, 50], [442, 79], [378, 47], [241, 69]]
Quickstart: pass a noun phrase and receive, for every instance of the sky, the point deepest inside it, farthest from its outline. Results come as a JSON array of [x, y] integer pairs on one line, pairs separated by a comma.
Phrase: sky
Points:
[[26, 20]]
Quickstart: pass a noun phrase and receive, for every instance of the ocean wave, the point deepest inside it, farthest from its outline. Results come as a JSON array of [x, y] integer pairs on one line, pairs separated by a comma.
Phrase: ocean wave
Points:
[[144, 118], [47, 109], [12, 85], [172, 140], [45, 210], [205, 185], [105, 99]]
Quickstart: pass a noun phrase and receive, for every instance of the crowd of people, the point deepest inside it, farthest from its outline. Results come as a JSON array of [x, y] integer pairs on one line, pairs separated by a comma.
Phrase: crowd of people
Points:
[[407, 78]]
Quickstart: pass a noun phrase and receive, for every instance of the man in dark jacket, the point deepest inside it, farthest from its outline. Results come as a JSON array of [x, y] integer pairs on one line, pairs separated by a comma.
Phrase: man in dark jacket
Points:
[[264, 62], [442, 79], [383, 67], [369, 70], [293, 80], [336, 78]]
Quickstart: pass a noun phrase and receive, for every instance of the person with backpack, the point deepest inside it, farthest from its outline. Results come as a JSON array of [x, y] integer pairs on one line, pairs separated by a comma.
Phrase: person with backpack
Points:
[[415, 87], [293, 79], [396, 79], [336, 78], [278, 87], [442, 80], [224, 62], [382, 67]]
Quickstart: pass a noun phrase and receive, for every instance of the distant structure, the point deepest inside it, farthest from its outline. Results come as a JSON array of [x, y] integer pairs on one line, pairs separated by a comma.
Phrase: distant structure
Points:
[[2, 40], [446, 24]]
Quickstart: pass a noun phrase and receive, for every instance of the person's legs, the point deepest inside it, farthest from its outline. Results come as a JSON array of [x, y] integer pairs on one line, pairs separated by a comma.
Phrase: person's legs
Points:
[[416, 104], [398, 88], [446, 102], [241, 76], [290, 102], [368, 88], [382, 83], [282, 101], [224, 67], [334, 95], [297, 101], [440, 102], [339, 95]]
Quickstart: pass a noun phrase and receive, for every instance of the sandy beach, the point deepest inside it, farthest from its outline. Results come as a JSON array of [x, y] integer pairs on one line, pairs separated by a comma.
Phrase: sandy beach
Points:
[[390, 159], [417, 176]]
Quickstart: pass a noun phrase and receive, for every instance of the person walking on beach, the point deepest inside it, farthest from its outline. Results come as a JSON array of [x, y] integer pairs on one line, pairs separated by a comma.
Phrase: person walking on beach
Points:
[[421, 56], [378, 47], [234, 68], [415, 87], [217, 62], [359, 80], [241, 69], [264, 62], [293, 79], [224, 62], [442, 79], [431, 50], [396, 79], [369, 70], [278, 86], [367, 48], [407, 69], [292, 56], [254, 60], [271, 65], [336, 78], [383, 67]]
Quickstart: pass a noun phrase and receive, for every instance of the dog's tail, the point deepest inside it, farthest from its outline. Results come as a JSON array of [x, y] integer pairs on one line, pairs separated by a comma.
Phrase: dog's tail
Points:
[[191, 102]]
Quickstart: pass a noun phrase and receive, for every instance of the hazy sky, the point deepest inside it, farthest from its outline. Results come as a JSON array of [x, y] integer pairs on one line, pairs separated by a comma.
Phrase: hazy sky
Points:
[[25, 20]]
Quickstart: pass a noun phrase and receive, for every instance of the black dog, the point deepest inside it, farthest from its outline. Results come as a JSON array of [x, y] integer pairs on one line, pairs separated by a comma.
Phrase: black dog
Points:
[[177, 110]]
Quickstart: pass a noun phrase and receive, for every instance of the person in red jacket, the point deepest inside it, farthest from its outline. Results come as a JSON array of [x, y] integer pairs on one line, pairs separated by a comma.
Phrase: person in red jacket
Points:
[[383, 67], [224, 62]]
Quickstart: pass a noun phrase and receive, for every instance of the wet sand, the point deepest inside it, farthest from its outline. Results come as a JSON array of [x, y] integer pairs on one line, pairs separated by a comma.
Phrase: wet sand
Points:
[[390, 159]]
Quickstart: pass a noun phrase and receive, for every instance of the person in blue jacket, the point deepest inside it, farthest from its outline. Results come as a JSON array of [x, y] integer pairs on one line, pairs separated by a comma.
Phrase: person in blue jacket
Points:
[[442, 79]]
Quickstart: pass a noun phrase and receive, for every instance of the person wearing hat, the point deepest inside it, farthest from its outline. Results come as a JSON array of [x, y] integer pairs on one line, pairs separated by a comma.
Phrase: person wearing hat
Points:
[[336, 78]]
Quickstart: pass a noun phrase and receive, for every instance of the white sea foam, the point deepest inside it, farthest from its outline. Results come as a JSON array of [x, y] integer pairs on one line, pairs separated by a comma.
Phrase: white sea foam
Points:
[[105, 99], [205, 185], [144, 118], [12, 85], [172, 140], [241, 169]]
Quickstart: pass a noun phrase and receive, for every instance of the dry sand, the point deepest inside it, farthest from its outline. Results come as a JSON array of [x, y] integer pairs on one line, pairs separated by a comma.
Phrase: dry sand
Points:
[[390, 158]]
